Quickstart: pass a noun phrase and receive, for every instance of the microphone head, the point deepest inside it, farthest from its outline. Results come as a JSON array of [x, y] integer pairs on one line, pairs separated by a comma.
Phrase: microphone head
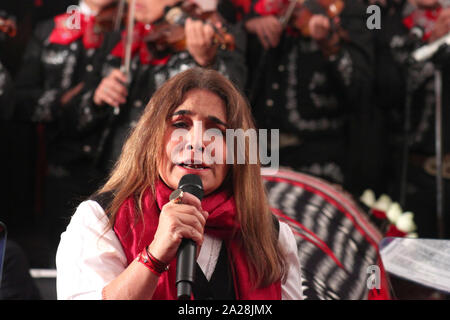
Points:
[[193, 184]]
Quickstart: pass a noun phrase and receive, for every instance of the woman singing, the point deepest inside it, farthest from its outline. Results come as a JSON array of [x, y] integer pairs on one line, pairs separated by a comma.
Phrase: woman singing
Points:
[[244, 253]]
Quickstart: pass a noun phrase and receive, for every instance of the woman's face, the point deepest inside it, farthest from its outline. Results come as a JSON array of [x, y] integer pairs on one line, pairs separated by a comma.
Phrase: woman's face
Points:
[[194, 141], [148, 11]]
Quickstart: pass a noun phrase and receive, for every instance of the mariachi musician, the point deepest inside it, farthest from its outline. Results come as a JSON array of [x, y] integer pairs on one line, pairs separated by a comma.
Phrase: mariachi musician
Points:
[[7, 29], [419, 23], [6, 110], [317, 63], [58, 56], [116, 95]]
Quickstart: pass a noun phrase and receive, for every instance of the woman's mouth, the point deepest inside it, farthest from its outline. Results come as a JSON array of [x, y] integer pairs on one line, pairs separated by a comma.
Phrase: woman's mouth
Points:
[[191, 166]]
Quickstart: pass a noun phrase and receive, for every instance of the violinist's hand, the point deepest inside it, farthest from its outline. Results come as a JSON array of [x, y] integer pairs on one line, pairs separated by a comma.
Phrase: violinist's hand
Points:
[[112, 89], [442, 25], [199, 41], [319, 27], [178, 221], [267, 28]]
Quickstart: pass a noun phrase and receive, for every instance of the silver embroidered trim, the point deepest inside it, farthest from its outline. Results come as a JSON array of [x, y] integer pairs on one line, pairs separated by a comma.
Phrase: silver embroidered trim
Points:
[[53, 57], [43, 112], [320, 100], [345, 68], [86, 115], [291, 89], [67, 73], [326, 170], [427, 115], [2, 81]]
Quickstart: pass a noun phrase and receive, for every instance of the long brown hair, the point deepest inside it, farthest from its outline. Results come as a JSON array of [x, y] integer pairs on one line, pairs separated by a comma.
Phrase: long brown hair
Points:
[[137, 168]]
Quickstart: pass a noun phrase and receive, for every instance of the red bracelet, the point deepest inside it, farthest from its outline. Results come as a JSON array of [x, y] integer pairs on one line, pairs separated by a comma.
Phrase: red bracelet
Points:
[[156, 266]]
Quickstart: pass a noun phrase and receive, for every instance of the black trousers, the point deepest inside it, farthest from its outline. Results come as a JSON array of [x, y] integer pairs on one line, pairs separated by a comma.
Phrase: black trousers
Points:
[[17, 283], [65, 189], [421, 200]]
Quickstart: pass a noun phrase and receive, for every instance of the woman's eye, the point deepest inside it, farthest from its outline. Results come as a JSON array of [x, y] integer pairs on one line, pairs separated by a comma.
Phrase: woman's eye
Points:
[[180, 124]]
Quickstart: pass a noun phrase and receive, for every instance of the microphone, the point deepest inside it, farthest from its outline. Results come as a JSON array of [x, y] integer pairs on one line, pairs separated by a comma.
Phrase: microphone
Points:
[[187, 251]]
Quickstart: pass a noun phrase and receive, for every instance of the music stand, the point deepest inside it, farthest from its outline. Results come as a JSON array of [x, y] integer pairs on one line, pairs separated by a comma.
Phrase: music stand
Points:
[[442, 54], [438, 55]]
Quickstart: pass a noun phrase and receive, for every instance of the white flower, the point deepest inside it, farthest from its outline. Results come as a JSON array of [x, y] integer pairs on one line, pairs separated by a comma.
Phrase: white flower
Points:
[[406, 223], [383, 203], [394, 212], [412, 235], [368, 198]]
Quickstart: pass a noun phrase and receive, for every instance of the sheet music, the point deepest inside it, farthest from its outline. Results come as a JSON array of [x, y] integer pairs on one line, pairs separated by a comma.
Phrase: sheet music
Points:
[[425, 261]]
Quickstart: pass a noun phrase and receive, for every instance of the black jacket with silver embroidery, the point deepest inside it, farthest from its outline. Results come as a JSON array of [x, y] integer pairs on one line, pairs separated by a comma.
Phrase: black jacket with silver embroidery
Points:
[[399, 77], [303, 92], [48, 71]]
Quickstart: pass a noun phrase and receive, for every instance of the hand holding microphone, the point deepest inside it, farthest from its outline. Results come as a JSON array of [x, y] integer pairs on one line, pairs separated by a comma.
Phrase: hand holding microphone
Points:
[[180, 230]]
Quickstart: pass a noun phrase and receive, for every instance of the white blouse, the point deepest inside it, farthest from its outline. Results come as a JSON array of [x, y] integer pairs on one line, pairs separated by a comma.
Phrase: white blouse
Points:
[[89, 256]]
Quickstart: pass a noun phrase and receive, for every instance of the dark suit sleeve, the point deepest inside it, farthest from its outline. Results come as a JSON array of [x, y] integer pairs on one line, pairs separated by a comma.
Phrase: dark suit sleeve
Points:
[[351, 67], [232, 62], [6, 94], [17, 283], [35, 102], [81, 115]]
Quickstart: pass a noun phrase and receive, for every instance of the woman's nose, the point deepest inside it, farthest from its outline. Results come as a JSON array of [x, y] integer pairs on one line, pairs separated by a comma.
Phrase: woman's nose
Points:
[[195, 147], [195, 140]]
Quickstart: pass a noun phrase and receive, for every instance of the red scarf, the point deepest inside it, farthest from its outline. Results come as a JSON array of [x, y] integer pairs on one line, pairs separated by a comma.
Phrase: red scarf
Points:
[[136, 235], [268, 7], [64, 34], [139, 46]]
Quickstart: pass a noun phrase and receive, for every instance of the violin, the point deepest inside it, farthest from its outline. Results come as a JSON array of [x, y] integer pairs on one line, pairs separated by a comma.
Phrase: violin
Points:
[[8, 26], [112, 17], [168, 32], [298, 14], [305, 9]]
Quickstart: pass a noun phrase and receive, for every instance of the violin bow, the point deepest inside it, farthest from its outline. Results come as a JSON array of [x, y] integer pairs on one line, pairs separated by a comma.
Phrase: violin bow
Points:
[[125, 68], [284, 20], [120, 9]]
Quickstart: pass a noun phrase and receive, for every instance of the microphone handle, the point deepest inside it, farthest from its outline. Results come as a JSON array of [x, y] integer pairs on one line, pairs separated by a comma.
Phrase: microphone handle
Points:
[[185, 268]]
